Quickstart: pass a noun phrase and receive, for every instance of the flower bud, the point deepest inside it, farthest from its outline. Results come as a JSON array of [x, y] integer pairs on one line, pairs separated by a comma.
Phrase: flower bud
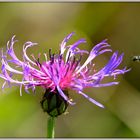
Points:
[[53, 103]]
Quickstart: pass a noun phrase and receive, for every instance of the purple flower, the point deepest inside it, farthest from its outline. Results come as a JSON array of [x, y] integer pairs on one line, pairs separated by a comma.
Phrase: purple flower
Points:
[[60, 71]]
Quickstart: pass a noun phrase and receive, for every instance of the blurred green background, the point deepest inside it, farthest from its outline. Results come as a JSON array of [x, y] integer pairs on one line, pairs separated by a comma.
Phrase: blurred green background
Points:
[[47, 24]]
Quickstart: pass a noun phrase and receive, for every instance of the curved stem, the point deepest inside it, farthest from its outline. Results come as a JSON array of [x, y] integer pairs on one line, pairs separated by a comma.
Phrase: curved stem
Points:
[[50, 127]]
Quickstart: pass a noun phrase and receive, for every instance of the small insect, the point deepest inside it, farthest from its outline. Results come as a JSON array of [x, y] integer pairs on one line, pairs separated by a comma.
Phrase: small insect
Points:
[[136, 58]]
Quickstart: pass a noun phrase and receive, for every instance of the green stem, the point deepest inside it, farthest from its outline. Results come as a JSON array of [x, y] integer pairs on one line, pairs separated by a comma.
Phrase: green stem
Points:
[[50, 127]]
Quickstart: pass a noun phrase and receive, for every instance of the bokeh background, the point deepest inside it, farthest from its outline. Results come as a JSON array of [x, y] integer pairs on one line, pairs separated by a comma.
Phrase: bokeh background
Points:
[[47, 24]]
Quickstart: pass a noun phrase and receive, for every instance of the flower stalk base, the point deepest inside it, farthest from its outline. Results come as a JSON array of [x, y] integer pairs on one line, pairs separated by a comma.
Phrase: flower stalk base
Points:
[[50, 127]]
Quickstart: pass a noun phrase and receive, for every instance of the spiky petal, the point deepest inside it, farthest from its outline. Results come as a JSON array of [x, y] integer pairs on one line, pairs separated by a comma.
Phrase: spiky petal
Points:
[[62, 71]]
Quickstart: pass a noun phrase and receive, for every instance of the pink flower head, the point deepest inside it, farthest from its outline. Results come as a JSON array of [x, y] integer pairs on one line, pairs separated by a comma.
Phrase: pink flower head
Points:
[[61, 71]]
